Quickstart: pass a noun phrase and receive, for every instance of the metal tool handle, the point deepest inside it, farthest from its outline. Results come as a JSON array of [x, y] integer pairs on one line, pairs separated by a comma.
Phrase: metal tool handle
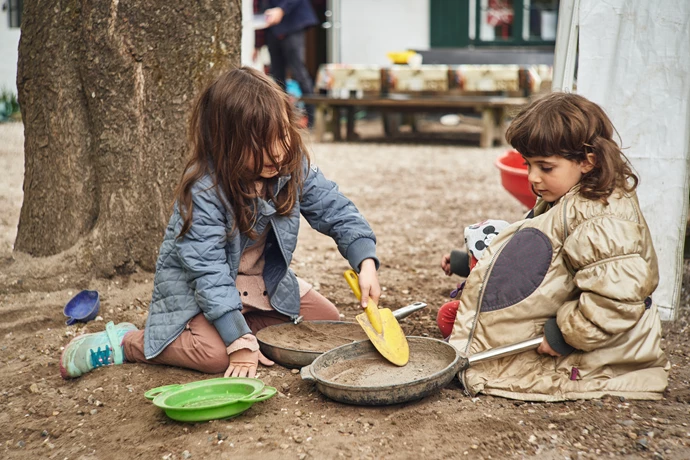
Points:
[[404, 312], [507, 350], [500, 352]]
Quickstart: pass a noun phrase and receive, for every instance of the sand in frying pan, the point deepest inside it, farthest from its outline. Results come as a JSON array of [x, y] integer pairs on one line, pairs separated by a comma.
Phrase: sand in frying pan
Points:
[[371, 370], [312, 336]]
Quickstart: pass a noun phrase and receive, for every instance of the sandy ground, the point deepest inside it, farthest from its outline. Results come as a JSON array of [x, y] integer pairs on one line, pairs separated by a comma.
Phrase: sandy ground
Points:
[[418, 198]]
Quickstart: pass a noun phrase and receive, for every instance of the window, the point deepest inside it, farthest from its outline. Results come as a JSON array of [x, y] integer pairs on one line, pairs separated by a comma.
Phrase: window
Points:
[[493, 23], [14, 12], [496, 20]]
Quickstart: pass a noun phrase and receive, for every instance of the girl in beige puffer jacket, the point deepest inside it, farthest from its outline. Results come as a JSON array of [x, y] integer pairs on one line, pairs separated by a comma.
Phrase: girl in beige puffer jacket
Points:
[[580, 269]]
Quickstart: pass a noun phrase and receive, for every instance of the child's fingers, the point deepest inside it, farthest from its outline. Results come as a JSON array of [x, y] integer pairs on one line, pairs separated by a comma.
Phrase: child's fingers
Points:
[[252, 372], [264, 360]]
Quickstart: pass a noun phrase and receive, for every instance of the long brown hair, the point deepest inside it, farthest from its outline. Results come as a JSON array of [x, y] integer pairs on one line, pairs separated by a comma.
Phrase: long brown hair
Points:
[[570, 126], [237, 118]]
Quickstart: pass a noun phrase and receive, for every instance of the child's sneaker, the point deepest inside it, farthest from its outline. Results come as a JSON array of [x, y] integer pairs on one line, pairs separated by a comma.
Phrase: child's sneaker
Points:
[[89, 351]]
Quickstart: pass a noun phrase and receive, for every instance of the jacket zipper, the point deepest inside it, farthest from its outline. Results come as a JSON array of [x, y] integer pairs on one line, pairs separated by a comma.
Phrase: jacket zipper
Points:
[[479, 303], [280, 246]]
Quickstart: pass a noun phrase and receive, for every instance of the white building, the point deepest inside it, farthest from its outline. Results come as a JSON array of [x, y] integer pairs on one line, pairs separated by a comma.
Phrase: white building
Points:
[[10, 18]]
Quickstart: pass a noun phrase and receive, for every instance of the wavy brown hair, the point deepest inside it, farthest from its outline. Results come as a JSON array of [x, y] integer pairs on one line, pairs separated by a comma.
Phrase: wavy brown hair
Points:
[[570, 126], [237, 118]]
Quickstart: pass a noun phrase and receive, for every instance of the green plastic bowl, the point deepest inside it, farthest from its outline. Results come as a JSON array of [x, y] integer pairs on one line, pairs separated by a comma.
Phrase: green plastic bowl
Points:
[[210, 399]]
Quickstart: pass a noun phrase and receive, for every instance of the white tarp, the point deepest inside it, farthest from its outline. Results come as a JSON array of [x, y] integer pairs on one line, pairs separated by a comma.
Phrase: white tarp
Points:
[[634, 61]]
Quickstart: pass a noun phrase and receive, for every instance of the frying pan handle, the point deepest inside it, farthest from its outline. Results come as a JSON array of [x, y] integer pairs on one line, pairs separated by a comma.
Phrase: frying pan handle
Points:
[[268, 392], [153, 392], [307, 374], [404, 312], [507, 350]]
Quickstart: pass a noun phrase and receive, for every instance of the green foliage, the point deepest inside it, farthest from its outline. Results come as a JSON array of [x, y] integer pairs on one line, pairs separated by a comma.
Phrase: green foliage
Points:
[[9, 106]]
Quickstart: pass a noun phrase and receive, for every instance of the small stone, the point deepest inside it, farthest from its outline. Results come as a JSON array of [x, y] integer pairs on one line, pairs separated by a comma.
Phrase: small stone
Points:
[[626, 422], [532, 439], [298, 439], [248, 426], [186, 454], [22, 357], [643, 442], [295, 371], [632, 435], [45, 433], [55, 413], [99, 318], [285, 386], [51, 445], [302, 456], [259, 444], [222, 437], [552, 426], [93, 411], [21, 444], [33, 388], [298, 413], [284, 446]]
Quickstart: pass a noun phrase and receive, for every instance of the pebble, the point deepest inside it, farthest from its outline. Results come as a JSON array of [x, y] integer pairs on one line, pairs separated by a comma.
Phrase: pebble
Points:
[[248, 426], [632, 435], [302, 456], [186, 454], [21, 444], [295, 371], [222, 437], [284, 446], [33, 388], [285, 386], [93, 411], [298, 439]]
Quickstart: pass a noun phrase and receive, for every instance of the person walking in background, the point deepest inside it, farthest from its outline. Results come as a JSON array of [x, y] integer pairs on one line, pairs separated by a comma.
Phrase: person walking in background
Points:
[[286, 21]]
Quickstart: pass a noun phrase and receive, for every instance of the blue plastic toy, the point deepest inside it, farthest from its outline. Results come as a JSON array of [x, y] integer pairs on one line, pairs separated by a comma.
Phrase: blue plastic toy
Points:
[[82, 308]]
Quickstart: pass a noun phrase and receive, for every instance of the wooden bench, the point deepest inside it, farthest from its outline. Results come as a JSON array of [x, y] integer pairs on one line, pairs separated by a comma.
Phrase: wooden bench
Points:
[[494, 111]]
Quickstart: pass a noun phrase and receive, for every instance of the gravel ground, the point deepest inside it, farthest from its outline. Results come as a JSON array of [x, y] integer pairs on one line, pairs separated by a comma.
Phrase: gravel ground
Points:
[[418, 198]]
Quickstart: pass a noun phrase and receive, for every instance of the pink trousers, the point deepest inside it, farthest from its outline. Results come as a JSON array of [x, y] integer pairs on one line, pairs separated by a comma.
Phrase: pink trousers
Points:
[[200, 347]]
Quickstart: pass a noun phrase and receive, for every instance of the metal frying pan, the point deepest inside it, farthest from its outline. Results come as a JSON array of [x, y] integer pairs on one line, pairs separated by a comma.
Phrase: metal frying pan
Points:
[[297, 345], [357, 374]]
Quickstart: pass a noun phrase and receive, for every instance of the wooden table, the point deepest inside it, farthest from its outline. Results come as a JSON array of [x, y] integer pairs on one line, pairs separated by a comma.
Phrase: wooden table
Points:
[[494, 111]]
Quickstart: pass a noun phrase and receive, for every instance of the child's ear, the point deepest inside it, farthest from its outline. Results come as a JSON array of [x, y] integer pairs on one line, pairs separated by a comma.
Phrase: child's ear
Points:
[[588, 163]]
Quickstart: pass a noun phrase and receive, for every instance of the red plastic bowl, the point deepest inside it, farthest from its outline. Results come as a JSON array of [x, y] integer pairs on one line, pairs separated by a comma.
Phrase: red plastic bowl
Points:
[[514, 177]]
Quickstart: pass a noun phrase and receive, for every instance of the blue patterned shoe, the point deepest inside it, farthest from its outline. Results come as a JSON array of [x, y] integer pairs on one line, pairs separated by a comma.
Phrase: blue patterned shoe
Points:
[[89, 351]]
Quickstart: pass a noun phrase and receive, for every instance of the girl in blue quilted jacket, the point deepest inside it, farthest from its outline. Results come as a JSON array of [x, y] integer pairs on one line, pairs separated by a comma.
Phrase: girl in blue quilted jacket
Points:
[[223, 268]]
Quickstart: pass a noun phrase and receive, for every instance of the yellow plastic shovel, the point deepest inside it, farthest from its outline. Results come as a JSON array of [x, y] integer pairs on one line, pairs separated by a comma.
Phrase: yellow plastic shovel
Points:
[[381, 327]]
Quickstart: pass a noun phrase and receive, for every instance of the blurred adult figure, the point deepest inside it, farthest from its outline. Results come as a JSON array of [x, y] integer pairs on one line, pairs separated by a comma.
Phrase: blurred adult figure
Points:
[[286, 21]]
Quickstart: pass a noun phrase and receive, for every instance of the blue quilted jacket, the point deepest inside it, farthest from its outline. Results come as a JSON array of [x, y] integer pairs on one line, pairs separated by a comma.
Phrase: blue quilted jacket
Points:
[[196, 274]]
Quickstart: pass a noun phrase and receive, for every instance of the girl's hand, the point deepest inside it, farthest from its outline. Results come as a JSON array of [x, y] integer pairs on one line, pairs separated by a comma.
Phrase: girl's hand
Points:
[[243, 363], [445, 264], [369, 282], [545, 349]]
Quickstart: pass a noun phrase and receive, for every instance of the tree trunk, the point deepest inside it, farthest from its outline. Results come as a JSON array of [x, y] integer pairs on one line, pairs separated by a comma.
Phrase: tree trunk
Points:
[[105, 90]]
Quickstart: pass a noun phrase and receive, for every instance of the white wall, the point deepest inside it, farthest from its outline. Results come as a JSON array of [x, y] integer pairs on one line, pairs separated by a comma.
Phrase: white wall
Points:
[[9, 42], [371, 28]]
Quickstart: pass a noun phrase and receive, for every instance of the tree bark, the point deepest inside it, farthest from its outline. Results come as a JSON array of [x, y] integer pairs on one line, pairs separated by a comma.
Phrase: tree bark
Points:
[[105, 90]]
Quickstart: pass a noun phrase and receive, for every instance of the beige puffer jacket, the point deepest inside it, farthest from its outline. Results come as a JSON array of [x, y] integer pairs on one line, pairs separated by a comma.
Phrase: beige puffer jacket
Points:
[[591, 266]]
